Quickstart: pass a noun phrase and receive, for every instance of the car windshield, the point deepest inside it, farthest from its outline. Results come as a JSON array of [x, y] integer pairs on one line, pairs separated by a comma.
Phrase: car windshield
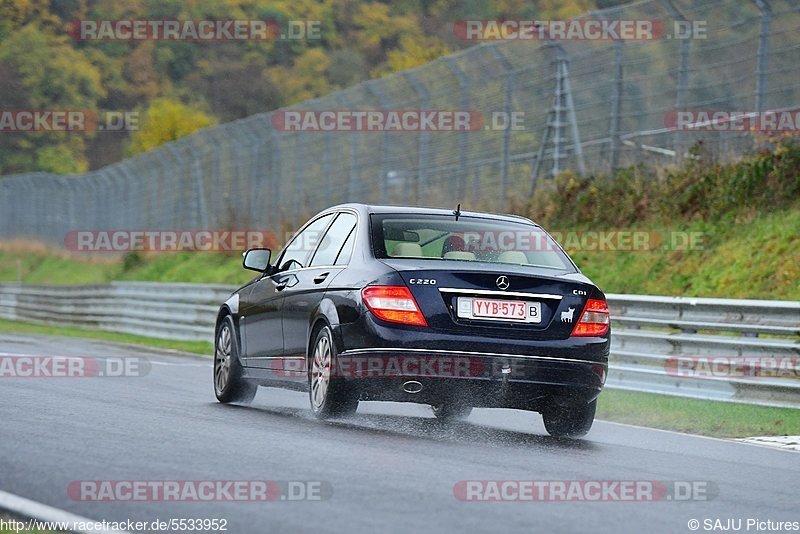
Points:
[[473, 239]]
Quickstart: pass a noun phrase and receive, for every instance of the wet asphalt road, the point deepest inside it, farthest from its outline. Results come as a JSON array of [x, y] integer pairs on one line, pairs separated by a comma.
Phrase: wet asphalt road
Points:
[[391, 468]]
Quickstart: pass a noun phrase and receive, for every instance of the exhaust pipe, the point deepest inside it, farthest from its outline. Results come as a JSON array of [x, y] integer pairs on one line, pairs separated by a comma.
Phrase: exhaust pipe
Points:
[[412, 386]]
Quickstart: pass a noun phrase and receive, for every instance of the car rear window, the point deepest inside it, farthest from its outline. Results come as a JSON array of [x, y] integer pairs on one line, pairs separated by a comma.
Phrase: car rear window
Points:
[[474, 239]]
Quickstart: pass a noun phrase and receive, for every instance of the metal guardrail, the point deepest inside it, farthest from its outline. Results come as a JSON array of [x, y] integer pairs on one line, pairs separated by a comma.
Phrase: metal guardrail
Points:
[[649, 333]]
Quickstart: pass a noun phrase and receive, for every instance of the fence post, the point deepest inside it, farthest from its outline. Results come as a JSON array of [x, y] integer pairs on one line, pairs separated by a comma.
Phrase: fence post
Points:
[[275, 178], [354, 145], [762, 60], [298, 200], [236, 145], [508, 88], [163, 164], [616, 104], [476, 184], [255, 165], [460, 183], [5, 208], [326, 169], [683, 81], [562, 103], [573, 121], [135, 206], [424, 144], [199, 186], [109, 198], [154, 218], [374, 88]]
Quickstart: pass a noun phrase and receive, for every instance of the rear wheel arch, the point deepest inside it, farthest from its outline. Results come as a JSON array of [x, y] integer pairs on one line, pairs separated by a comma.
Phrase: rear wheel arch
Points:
[[324, 315], [317, 324]]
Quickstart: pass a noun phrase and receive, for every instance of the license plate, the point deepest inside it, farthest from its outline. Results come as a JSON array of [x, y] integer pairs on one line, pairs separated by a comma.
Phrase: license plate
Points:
[[521, 311]]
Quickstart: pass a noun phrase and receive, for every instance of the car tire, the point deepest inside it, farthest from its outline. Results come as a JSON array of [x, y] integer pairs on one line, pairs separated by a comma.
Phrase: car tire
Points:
[[571, 421], [449, 411], [229, 385], [328, 394]]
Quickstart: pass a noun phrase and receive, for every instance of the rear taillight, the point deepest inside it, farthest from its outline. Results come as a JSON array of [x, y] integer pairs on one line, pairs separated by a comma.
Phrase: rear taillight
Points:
[[395, 304], [594, 319]]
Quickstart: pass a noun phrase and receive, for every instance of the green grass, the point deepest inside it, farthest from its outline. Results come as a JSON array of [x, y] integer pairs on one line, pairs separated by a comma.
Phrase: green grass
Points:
[[707, 418], [758, 258], [18, 327], [35, 264]]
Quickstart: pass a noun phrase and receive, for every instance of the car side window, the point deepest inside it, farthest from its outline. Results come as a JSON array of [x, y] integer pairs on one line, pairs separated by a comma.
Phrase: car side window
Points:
[[299, 249], [347, 249], [333, 240]]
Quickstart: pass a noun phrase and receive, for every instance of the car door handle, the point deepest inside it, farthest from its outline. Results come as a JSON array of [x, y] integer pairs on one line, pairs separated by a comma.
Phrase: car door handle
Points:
[[280, 286], [321, 278]]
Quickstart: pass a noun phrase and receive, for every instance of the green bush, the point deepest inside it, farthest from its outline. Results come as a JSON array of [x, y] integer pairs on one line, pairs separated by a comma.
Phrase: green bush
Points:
[[766, 180]]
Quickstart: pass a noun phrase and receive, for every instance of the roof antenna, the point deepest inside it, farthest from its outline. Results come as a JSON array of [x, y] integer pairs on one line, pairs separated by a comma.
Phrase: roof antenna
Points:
[[457, 212]]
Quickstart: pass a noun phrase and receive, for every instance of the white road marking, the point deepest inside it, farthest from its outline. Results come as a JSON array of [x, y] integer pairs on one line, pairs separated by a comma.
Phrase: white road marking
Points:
[[784, 443]]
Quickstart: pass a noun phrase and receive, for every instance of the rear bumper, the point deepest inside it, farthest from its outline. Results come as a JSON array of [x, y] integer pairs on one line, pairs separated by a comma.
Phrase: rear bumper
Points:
[[493, 380], [378, 358]]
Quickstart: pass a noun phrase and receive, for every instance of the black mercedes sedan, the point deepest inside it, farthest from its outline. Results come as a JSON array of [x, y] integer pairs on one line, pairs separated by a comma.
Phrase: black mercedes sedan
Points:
[[444, 307]]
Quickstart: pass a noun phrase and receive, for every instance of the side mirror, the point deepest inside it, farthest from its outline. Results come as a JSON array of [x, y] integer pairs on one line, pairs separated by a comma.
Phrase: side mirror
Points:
[[257, 259]]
